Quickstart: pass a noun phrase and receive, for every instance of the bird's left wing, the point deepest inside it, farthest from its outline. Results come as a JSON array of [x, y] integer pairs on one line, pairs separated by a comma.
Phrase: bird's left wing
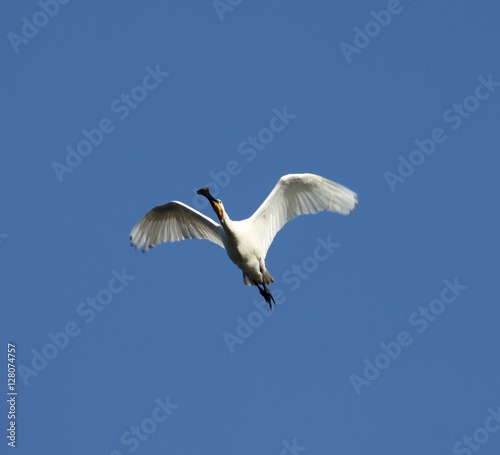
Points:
[[172, 222], [299, 194]]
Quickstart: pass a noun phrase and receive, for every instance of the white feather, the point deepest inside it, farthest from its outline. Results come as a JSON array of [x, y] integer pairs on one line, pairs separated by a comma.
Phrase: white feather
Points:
[[172, 222]]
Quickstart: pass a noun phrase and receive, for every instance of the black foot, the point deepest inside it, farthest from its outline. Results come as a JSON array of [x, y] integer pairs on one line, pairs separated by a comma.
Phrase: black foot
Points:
[[268, 297]]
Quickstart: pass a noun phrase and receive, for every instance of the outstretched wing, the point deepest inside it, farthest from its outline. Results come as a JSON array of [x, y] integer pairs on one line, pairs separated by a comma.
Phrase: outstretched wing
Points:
[[172, 222], [299, 194]]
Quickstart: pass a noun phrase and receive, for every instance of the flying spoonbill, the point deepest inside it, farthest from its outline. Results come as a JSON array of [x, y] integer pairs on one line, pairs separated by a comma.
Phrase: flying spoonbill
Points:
[[247, 241]]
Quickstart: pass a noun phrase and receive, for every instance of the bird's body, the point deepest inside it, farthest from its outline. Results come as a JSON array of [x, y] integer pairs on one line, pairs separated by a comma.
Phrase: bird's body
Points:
[[245, 251], [247, 241]]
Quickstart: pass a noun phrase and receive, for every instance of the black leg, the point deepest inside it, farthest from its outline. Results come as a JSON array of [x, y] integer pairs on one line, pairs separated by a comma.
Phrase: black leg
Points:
[[264, 292]]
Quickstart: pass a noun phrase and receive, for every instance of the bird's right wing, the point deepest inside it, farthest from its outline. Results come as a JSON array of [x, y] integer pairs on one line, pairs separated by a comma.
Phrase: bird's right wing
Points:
[[172, 222], [299, 194]]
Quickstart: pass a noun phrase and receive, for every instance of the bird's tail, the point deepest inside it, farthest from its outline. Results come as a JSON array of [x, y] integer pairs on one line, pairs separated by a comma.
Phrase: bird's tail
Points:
[[268, 279]]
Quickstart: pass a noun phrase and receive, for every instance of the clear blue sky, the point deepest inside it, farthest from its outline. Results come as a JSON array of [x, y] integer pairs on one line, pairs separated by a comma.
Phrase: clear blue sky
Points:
[[387, 344]]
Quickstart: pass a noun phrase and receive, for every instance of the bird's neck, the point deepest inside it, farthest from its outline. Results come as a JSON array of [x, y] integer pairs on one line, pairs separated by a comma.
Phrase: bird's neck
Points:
[[226, 222], [222, 216]]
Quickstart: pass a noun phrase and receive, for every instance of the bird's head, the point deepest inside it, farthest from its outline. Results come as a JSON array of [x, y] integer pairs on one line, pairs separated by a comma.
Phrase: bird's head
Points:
[[215, 203]]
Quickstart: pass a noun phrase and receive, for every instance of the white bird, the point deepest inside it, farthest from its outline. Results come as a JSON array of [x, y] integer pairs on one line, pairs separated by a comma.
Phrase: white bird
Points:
[[247, 241]]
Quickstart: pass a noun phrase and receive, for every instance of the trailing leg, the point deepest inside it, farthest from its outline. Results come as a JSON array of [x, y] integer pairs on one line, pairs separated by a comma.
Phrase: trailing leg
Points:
[[264, 292]]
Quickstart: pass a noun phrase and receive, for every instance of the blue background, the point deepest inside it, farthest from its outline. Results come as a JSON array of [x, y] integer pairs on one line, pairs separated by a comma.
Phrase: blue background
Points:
[[163, 334]]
